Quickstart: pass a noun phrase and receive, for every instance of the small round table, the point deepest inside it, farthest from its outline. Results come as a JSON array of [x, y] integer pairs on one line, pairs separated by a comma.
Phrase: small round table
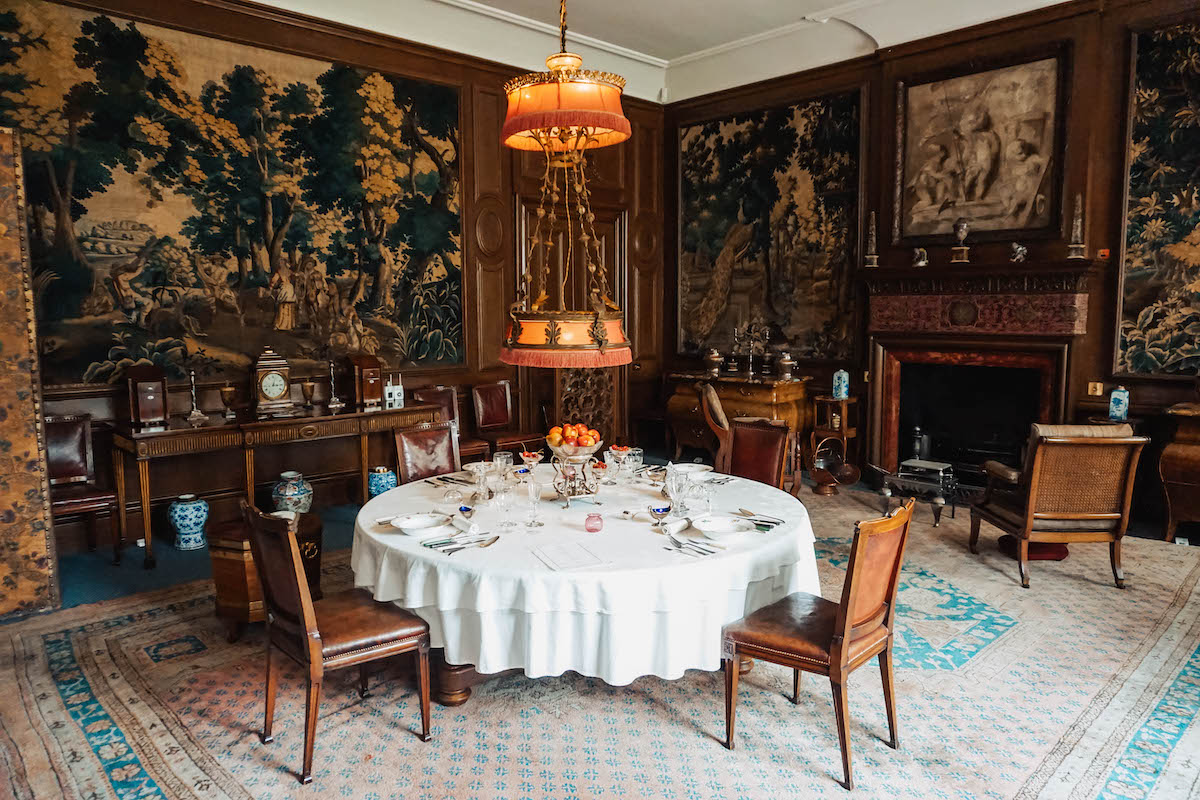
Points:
[[643, 610]]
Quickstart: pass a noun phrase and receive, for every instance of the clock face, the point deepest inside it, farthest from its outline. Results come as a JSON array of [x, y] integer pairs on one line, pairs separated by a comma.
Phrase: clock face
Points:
[[273, 385]]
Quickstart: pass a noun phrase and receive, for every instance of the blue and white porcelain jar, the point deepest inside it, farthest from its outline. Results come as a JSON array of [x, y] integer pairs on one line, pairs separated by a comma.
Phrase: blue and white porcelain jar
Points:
[[292, 492], [1118, 404], [380, 480], [841, 385], [187, 515]]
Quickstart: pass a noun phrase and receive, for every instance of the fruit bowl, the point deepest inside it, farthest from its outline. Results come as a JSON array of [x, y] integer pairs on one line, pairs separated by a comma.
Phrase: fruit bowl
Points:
[[574, 451]]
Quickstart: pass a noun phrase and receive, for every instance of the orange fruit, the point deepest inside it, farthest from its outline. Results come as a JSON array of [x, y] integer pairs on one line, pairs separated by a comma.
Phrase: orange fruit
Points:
[[556, 429], [595, 434], [554, 440], [572, 439], [586, 441]]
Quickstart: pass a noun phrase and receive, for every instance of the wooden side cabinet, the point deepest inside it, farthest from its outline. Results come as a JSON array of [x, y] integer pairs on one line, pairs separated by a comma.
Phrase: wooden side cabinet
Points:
[[239, 593], [1179, 468]]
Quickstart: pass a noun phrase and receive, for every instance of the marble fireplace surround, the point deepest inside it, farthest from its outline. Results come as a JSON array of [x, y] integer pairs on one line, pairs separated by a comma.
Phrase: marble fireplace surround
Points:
[[1012, 315]]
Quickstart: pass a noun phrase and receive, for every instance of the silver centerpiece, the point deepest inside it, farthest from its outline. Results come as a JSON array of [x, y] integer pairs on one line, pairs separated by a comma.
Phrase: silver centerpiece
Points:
[[334, 404], [573, 473], [197, 417]]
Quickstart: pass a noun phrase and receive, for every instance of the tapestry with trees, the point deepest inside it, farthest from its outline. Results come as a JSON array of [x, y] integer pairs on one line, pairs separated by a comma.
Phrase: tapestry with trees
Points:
[[1160, 300], [192, 200], [769, 207]]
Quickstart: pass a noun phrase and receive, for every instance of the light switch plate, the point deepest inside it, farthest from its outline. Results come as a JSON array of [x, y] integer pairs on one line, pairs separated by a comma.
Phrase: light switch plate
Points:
[[1096, 388]]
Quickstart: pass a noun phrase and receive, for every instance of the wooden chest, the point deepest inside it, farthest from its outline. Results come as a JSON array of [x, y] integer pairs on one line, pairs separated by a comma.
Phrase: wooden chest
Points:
[[740, 397], [239, 594]]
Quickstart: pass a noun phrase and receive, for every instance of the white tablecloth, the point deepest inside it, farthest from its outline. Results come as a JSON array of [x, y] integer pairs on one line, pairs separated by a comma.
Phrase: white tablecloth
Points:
[[645, 611]]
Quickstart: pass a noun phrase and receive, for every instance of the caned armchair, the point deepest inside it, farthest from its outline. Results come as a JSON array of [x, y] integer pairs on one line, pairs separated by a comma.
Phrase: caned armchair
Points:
[[1076, 487]]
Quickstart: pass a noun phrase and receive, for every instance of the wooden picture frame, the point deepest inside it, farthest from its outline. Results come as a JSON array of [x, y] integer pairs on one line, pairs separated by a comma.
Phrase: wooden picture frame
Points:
[[1005, 176], [1134, 223]]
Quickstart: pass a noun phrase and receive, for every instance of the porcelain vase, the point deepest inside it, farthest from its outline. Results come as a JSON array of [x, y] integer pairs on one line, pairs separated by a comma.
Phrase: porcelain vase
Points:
[[187, 515], [292, 492], [380, 480], [1118, 405], [841, 385]]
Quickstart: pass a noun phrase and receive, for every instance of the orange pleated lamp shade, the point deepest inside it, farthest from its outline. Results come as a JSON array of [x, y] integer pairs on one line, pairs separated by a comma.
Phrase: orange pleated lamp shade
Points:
[[561, 339], [565, 101]]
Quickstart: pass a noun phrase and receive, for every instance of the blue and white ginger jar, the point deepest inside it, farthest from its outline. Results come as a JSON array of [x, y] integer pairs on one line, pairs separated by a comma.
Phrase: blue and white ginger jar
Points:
[[841, 385], [292, 492], [380, 480], [1118, 404], [188, 515]]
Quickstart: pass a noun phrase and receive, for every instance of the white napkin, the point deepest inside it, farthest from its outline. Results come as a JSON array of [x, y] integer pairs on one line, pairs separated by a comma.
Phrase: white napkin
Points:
[[465, 525], [676, 525]]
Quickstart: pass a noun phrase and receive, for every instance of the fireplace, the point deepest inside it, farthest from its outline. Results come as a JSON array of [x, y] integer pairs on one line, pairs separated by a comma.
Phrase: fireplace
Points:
[[973, 401]]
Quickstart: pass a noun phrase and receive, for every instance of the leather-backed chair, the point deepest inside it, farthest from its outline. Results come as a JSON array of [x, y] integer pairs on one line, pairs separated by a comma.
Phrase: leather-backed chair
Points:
[[811, 634], [758, 449], [1076, 486], [494, 418], [446, 398], [71, 467], [426, 450], [342, 630], [718, 423]]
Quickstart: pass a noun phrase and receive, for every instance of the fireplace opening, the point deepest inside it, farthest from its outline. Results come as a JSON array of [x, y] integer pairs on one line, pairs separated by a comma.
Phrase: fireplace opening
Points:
[[967, 414]]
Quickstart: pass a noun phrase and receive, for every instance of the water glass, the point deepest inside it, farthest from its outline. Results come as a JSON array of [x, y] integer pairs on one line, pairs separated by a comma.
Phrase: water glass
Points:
[[633, 460], [533, 498], [503, 460], [612, 464], [504, 499]]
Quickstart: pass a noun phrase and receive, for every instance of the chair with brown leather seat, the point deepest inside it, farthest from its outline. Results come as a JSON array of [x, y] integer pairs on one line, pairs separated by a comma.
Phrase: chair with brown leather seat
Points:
[[446, 398], [811, 634], [758, 449], [718, 423], [1076, 487], [342, 630], [427, 450], [494, 418], [71, 467]]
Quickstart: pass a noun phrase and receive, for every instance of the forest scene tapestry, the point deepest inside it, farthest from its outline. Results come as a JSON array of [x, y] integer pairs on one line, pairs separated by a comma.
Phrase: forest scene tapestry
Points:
[[769, 209], [193, 200], [1160, 299]]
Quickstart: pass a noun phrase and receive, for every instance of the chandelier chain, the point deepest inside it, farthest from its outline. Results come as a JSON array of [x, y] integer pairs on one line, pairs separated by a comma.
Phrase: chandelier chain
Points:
[[562, 25]]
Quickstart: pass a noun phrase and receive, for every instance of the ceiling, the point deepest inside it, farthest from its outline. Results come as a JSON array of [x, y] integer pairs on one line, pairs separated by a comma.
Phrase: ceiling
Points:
[[668, 50]]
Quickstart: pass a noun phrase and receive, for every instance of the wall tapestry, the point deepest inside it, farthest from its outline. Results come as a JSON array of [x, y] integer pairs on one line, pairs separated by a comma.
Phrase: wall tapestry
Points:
[[1159, 314], [28, 580], [192, 200], [980, 146], [768, 214]]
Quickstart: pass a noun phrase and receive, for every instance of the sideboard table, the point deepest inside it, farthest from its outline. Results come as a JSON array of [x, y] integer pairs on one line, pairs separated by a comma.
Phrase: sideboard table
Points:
[[178, 437], [1179, 468]]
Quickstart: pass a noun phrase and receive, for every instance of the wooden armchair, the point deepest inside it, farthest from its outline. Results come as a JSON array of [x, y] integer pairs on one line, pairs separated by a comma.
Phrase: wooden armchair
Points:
[[718, 423], [446, 397], [347, 629], [1076, 487], [495, 420], [758, 449], [809, 633], [426, 450]]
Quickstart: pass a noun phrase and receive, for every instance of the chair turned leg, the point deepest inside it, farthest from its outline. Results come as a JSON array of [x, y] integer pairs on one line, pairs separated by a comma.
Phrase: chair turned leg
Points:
[[974, 541], [91, 532], [1114, 555], [841, 711], [796, 687], [310, 727], [731, 686], [269, 711], [1023, 561], [423, 689], [889, 695], [362, 681]]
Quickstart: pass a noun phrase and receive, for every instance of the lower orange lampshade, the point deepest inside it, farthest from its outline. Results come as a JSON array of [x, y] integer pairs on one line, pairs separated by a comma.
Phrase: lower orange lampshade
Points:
[[560, 339]]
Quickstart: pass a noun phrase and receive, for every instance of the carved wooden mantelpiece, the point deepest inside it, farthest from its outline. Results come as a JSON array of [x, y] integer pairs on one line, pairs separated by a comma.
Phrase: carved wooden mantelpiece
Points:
[[1007, 300]]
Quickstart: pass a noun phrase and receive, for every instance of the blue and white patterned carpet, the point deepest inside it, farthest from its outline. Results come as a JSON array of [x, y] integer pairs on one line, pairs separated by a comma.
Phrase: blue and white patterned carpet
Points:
[[1071, 689]]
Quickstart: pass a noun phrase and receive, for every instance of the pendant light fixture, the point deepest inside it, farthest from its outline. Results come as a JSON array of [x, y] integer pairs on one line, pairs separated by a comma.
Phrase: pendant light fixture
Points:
[[563, 113]]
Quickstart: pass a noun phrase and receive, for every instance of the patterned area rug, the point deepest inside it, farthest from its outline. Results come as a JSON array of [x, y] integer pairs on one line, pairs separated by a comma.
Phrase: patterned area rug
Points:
[[1071, 689]]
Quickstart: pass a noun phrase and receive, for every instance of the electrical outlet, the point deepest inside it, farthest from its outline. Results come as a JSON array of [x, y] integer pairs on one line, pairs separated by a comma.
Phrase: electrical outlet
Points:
[[1096, 389]]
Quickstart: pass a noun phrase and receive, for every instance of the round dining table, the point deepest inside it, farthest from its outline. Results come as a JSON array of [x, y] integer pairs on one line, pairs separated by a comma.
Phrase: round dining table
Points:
[[615, 604]]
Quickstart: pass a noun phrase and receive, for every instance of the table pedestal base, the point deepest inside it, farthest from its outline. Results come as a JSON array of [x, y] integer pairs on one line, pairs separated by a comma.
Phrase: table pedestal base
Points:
[[1038, 551], [452, 682]]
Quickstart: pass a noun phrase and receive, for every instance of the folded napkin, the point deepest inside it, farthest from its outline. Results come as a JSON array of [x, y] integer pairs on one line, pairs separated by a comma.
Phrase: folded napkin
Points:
[[465, 525], [676, 525]]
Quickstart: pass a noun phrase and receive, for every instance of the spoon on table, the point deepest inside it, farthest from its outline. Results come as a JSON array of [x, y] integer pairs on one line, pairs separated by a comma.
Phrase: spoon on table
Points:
[[746, 513], [486, 543]]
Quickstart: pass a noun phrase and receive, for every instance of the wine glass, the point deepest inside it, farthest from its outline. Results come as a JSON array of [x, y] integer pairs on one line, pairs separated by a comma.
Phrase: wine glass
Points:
[[659, 513], [533, 498], [503, 460], [633, 460]]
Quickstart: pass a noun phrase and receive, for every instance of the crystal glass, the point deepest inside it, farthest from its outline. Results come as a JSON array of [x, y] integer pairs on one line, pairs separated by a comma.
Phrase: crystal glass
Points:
[[612, 463], [533, 500], [633, 460], [503, 460], [594, 523], [699, 497], [479, 472], [452, 497], [503, 487]]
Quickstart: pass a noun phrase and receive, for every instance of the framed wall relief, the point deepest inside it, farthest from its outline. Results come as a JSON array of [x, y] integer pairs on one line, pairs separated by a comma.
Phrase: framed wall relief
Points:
[[768, 220], [984, 145], [1158, 314], [193, 200]]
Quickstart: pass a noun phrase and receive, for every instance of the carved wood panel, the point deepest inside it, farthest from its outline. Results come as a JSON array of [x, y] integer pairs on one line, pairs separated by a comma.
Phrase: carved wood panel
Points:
[[589, 396]]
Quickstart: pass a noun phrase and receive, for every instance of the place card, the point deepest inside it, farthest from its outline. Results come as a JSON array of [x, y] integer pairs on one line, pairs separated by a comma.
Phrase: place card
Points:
[[568, 555]]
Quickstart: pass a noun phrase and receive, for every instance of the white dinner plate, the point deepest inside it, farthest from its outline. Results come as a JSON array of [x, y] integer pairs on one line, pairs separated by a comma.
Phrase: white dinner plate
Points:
[[420, 524], [692, 469], [720, 526]]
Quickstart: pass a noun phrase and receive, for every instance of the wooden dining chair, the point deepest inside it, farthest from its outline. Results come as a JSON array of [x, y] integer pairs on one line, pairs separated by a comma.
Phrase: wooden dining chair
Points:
[[446, 398], [341, 630], [495, 421], [71, 467], [426, 450], [758, 449], [718, 423], [811, 634]]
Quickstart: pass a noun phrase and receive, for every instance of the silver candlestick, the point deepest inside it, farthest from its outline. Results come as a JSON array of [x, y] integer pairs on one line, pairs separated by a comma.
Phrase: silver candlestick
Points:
[[197, 416], [334, 403]]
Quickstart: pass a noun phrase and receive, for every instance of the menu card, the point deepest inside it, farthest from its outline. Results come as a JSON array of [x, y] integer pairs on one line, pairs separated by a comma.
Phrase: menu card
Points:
[[567, 555]]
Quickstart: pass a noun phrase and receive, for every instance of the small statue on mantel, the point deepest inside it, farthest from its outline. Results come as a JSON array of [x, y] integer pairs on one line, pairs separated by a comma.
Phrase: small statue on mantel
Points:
[[871, 258], [961, 254], [920, 257], [1019, 253]]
